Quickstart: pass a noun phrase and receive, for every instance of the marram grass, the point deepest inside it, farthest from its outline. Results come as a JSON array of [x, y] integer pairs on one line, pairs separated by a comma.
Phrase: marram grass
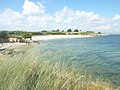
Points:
[[29, 70]]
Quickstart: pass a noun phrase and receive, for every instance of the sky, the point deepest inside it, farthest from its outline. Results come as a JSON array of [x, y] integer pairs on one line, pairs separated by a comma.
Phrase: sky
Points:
[[37, 15]]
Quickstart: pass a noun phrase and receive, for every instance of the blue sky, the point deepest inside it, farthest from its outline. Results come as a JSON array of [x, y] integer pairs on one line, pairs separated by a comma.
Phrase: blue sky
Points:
[[107, 10]]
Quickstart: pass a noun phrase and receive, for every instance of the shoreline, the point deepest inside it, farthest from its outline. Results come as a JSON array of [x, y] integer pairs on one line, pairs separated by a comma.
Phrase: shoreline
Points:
[[52, 37], [38, 38]]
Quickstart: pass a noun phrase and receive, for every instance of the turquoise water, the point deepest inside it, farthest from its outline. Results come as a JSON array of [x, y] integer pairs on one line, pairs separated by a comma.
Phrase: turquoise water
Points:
[[97, 55]]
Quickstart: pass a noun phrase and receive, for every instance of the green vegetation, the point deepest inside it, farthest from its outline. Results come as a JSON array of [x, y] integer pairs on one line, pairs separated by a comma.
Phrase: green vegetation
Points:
[[3, 34], [26, 34], [34, 70], [76, 30], [69, 30], [99, 33]]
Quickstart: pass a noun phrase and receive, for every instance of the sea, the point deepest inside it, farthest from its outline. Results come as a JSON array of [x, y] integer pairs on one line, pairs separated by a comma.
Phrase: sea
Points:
[[98, 55]]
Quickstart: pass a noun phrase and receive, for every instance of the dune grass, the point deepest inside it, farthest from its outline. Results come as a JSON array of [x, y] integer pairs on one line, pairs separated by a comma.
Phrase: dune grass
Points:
[[29, 70]]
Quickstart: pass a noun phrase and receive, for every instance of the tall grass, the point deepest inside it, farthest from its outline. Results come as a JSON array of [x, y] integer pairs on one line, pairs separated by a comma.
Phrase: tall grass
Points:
[[30, 70]]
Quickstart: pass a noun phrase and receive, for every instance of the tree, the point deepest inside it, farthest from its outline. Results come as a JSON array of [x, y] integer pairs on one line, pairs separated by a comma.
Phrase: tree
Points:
[[53, 31], [76, 30], [57, 30], [99, 33], [44, 31], [80, 30], [11, 33], [27, 35], [69, 30], [3, 34], [37, 33]]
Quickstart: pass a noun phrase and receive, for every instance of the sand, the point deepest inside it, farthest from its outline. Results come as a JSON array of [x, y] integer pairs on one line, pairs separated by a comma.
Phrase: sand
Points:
[[51, 37], [41, 38]]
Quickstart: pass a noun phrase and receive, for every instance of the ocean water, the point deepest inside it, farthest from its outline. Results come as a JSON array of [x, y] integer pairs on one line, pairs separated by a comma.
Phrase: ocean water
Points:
[[99, 56]]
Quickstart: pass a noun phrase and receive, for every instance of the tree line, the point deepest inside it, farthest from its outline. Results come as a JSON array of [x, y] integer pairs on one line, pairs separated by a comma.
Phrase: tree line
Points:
[[24, 34], [28, 34]]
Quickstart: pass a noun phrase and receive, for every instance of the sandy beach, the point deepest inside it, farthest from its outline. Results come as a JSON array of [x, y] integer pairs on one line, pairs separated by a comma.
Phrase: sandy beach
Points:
[[51, 37], [41, 38]]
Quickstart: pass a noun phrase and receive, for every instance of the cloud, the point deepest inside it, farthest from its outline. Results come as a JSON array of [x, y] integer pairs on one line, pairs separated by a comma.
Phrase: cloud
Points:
[[104, 28], [9, 17], [35, 17], [68, 15], [31, 8], [77, 19], [117, 17]]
